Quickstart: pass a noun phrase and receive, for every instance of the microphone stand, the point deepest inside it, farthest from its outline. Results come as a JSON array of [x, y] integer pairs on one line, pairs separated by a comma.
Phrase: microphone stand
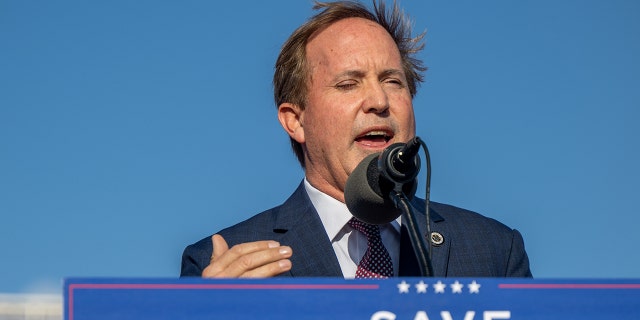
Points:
[[401, 202], [417, 241], [380, 186]]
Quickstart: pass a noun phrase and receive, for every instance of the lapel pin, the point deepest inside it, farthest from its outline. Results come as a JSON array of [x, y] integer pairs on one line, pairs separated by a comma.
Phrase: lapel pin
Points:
[[437, 238]]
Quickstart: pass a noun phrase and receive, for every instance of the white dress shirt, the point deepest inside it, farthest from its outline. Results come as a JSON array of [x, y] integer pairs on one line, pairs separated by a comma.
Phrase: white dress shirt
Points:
[[349, 244]]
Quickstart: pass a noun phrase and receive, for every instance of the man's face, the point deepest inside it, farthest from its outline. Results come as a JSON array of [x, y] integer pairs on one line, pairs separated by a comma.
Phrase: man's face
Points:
[[358, 101]]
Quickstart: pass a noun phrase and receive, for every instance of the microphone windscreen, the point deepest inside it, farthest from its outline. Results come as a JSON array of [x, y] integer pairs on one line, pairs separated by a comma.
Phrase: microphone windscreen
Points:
[[366, 193]]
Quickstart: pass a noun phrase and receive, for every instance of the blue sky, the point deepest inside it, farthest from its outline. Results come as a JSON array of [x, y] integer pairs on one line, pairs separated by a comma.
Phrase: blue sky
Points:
[[129, 129]]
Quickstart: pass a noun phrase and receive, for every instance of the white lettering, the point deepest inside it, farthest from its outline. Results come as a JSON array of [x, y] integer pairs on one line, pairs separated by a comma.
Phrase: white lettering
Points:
[[446, 315], [493, 315], [383, 315]]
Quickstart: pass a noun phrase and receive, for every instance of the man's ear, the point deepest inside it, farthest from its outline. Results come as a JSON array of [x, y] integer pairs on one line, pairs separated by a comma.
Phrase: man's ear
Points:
[[291, 118]]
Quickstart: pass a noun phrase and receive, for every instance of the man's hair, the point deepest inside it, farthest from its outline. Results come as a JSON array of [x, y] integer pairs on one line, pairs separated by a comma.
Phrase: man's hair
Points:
[[291, 74]]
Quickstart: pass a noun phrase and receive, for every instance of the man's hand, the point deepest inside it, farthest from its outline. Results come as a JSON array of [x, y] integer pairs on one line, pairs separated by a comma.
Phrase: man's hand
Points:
[[258, 259]]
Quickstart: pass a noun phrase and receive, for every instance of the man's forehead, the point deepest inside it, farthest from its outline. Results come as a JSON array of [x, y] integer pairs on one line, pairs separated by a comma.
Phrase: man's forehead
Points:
[[349, 28], [351, 42]]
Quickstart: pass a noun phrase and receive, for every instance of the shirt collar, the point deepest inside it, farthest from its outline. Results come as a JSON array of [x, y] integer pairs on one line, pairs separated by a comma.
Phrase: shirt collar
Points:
[[333, 213]]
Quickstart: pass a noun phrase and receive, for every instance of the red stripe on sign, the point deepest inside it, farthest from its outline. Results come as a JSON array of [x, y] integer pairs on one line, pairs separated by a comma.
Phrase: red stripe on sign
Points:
[[569, 286]]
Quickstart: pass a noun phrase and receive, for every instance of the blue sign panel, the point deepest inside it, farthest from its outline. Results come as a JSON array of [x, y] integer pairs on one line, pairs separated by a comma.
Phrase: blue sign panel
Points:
[[329, 298]]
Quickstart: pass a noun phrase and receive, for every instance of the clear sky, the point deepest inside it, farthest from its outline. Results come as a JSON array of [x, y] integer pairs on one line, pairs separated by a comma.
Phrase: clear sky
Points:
[[130, 129]]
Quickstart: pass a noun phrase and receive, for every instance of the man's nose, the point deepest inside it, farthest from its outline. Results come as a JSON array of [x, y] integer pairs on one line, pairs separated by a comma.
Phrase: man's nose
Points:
[[376, 100]]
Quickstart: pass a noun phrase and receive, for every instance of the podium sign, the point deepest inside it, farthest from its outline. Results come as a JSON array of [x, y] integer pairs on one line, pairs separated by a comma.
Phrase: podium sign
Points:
[[331, 298]]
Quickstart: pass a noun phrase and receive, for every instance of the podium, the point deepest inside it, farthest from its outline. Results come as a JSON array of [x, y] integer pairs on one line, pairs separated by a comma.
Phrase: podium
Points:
[[335, 298]]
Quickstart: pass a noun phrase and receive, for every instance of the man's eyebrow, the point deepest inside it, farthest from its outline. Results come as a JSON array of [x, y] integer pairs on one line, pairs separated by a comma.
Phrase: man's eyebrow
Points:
[[361, 74], [392, 72], [350, 74]]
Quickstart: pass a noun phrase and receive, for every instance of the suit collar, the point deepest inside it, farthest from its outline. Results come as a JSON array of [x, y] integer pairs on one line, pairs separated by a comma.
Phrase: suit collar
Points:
[[300, 227]]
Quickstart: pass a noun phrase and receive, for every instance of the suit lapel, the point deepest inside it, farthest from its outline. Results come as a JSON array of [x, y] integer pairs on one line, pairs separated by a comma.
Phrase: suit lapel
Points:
[[439, 253], [298, 225]]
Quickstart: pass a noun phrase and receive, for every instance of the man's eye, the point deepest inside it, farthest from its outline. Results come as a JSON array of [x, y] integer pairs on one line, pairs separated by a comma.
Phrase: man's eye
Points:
[[395, 82], [348, 85]]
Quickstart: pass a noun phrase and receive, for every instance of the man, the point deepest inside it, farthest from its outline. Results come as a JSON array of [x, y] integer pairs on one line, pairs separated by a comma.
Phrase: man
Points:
[[344, 83]]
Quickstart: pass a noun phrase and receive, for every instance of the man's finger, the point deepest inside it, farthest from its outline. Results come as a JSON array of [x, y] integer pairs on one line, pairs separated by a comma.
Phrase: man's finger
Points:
[[220, 246], [263, 263], [269, 270], [246, 257]]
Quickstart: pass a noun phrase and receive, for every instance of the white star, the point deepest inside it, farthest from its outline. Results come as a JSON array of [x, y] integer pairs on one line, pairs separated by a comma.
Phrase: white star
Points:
[[456, 287], [421, 287], [403, 287], [474, 287], [439, 287]]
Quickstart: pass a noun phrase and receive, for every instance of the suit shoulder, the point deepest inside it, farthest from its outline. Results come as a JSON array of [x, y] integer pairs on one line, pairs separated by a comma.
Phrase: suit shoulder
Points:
[[482, 245], [462, 217]]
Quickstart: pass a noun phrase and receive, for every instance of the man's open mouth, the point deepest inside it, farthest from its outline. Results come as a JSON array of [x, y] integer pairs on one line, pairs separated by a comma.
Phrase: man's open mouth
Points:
[[376, 138]]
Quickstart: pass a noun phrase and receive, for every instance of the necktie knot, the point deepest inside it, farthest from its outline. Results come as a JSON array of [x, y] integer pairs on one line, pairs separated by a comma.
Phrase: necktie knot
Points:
[[376, 262], [371, 231]]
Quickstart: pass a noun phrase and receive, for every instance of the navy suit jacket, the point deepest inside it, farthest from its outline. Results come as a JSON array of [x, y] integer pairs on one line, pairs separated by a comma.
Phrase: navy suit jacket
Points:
[[474, 245]]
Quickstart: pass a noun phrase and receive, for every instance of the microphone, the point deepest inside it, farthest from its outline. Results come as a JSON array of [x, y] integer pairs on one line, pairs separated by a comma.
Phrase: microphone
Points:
[[400, 162], [368, 189], [379, 190]]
